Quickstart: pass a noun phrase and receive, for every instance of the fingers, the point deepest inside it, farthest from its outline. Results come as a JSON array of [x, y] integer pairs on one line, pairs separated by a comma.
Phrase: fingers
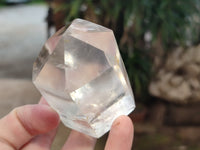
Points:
[[23, 123], [121, 134], [77, 141], [43, 141]]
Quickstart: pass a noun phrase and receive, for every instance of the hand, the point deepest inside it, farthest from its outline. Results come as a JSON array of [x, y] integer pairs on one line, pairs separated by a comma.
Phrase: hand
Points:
[[33, 127]]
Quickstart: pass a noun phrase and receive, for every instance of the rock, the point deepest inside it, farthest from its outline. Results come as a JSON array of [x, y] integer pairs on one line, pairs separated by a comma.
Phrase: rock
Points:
[[180, 93], [178, 80], [194, 83], [172, 63], [192, 69]]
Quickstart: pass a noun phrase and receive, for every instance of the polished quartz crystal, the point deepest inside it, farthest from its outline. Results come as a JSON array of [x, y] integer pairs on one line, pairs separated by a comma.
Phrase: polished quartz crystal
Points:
[[82, 76]]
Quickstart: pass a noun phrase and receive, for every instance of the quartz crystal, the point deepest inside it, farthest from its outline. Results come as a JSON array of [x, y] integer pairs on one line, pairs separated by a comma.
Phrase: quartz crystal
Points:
[[82, 76]]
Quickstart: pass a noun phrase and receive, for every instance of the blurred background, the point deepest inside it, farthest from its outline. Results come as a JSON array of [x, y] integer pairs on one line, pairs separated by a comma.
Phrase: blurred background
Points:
[[159, 42]]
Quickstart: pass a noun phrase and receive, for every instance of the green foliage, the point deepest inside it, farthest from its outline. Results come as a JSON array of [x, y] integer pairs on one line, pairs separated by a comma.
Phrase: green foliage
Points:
[[167, 17], [38, 1], [172, 22], [2, 3], [138, 66]]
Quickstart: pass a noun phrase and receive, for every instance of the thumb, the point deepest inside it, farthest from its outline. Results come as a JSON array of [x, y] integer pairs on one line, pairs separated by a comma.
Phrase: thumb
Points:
[[23, 123]]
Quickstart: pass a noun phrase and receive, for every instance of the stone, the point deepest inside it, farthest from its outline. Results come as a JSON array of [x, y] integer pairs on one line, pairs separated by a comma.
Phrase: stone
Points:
[[82, 76], [192, 69], [177, 80]]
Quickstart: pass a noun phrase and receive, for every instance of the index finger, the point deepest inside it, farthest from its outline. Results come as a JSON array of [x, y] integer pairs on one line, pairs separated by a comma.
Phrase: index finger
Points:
[[121, 134]]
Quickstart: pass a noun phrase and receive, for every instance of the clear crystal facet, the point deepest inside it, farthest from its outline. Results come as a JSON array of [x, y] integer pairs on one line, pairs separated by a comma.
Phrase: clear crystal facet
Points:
[[82, 76]]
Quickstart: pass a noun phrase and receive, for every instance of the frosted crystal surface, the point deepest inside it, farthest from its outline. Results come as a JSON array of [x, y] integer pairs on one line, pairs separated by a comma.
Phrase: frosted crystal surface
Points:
[[82, 76]]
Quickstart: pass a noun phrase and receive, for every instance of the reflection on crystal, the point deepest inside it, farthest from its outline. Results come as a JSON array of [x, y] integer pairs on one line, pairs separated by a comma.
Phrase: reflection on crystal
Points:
[[76, 95], [68, 60], [121, 77], [83, 78]]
